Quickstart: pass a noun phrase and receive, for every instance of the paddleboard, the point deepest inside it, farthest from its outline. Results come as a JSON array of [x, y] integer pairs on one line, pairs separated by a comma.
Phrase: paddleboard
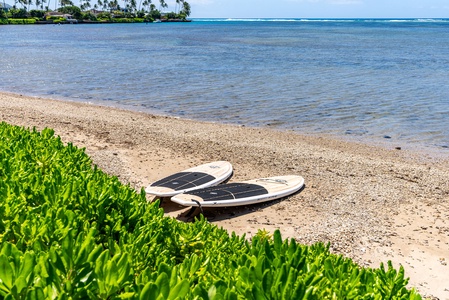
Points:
[[242, 193], [198, 177]]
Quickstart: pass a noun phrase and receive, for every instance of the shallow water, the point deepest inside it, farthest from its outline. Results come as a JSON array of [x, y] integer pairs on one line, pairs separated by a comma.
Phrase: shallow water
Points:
[[369, 80]]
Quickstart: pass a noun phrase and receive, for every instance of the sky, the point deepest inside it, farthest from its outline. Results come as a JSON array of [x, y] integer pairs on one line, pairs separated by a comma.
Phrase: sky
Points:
[[311, 8], [320, 8]]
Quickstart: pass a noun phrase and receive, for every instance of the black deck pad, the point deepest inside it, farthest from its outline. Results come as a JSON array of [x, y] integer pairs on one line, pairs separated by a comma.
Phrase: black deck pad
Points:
[[184, 180], [230, 191]]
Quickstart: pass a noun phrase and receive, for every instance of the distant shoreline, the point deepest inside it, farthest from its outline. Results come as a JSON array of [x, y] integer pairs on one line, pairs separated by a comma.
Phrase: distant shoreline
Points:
[[81, 22], [72, 14]]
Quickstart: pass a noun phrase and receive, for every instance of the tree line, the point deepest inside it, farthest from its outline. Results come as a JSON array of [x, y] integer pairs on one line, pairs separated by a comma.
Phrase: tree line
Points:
[[90, 9]]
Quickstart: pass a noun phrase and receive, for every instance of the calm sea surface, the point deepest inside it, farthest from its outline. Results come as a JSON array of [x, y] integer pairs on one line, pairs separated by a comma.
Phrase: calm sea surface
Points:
[[381, 81]]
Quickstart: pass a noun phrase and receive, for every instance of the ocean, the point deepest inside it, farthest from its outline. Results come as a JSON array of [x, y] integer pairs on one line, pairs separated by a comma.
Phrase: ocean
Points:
[[378, 81]]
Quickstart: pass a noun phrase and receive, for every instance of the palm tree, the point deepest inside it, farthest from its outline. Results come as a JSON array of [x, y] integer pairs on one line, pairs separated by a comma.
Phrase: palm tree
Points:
[[163, 4], [86, 5], [113, 4], [66, 2], [185, 8], [133, 5], [23, 3], [177, 6], [146, 3]]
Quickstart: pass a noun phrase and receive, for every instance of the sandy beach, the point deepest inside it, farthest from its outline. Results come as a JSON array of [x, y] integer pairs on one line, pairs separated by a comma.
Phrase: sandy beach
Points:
[[370, 203]]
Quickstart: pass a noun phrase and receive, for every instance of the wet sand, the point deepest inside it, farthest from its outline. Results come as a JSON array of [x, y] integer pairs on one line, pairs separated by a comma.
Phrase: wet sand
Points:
[[370, 203]]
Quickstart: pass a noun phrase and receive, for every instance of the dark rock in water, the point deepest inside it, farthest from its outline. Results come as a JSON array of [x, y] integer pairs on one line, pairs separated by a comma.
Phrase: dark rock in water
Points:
[[387, 137], [397, 148], [356, 131]]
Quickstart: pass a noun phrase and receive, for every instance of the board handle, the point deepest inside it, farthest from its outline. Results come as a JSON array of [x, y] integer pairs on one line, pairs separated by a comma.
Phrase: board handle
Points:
[[280, 181]]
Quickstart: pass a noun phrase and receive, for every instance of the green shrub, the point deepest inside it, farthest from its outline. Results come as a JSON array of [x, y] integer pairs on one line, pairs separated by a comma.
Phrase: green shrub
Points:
[[154, 14], [58, 20], [70, 231], [18, 13], [37, 13], [118, 14], [89, 16], [124, 20], [29, 21], [170, 15], [104, 15], [21, 21], [73, 10], [148, 19]]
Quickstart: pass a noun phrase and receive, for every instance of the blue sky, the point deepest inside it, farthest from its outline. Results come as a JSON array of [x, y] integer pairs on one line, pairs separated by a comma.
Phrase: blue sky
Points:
[[310, 8], [320, 8]]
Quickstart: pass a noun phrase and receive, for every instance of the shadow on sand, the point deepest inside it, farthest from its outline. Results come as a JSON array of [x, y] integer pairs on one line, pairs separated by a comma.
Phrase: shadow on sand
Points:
[[216, 214]]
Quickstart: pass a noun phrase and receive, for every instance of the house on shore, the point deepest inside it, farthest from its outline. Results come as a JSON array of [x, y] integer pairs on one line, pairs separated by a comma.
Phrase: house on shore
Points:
[[68, 17]]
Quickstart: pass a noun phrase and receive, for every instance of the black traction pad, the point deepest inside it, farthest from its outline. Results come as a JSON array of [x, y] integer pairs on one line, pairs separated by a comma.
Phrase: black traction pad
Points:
[[229, 191], [184, 180]]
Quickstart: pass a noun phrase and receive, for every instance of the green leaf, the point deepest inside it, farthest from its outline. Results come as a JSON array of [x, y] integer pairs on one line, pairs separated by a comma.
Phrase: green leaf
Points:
[[95, 253], [84, 275], [329, 268], [212, 292], [200, 292], [100, 263], [277, 241], [124, 269], [57, 261], [6, 273], [195, 264], [288, 285], [163, 283], [257, 293], [128, 295], [149, 291], [27, 265], [298, 291], [86, 247], [36, 293], [111, 273], [180, 290]]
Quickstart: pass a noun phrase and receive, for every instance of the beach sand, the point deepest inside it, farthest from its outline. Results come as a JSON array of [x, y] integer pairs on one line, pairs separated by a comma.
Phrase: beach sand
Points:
[[371, 203]]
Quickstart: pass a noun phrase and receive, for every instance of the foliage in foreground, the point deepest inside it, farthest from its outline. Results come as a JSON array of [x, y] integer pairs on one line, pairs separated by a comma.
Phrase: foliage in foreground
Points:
[[69, 231]]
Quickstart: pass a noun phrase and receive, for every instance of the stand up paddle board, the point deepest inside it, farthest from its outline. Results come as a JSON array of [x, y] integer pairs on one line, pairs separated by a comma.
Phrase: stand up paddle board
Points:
[[242, 193], [198, 177]]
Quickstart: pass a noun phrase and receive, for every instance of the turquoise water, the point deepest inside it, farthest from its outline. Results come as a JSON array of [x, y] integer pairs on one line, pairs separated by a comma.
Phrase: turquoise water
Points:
[[378, 80]]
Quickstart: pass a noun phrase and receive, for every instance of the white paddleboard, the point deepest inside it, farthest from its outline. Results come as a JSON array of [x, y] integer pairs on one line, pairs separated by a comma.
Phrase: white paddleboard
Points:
[[198, 177], [242, 193]]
